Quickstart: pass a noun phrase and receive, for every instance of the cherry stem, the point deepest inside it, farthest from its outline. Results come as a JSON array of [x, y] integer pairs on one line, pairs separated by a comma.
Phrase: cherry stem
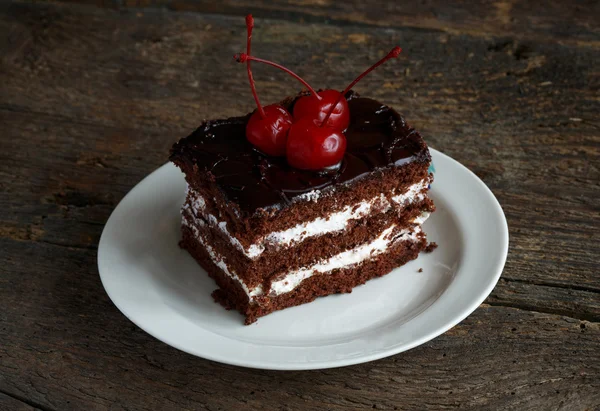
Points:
[[246, 57], [249, 27], [392, 54]]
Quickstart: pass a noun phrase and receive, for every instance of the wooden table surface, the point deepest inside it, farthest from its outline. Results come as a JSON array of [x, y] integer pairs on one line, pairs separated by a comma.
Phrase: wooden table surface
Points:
[[91, 99]]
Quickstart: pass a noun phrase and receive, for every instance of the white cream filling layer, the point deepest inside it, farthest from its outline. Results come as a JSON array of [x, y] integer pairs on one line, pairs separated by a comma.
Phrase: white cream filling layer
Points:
[[345, 259], [337, 221]]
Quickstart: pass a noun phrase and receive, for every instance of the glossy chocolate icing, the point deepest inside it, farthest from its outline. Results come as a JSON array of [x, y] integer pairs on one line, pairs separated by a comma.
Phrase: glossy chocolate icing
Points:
[[377, 137]]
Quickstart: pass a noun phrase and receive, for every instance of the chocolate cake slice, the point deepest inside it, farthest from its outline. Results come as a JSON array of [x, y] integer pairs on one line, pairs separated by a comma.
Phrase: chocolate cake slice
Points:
[[272, 236]]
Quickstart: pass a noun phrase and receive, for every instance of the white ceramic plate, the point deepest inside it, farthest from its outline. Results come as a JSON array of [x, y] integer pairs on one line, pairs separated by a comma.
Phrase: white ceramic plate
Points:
[[161, 289]]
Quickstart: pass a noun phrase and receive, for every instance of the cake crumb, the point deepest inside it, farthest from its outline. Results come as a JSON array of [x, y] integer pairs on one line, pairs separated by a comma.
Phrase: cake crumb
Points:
[[430, 247], [420, 270], [221, 298]]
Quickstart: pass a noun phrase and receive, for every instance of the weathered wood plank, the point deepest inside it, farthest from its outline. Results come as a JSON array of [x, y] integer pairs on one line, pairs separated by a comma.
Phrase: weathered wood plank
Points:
[[567, 22]]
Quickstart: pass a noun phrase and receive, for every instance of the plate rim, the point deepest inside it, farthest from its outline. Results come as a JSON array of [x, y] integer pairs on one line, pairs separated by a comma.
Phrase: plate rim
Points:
[[335, 362]]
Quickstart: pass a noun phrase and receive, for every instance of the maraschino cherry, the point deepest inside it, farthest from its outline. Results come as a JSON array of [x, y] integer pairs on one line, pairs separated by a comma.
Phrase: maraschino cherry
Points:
[[267, 128], [312, 144]]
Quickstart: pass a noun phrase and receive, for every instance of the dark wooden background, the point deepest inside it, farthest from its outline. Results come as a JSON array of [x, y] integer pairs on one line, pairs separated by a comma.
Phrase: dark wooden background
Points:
[[91, 98]]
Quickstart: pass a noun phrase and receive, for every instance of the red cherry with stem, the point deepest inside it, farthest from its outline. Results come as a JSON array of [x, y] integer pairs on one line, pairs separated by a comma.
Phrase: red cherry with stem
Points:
[[268, 127], [395, 52], [313, 147], [315, 106], [312, 144]]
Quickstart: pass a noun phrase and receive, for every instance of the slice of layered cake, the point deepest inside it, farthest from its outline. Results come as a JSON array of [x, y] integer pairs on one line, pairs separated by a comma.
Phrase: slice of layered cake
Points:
[[273, 236], [282, 209]]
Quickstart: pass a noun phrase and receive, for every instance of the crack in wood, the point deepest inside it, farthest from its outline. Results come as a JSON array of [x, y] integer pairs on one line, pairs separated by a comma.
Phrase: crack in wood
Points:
[[27, 401], [552, 285], [91, 247], [562, 312]]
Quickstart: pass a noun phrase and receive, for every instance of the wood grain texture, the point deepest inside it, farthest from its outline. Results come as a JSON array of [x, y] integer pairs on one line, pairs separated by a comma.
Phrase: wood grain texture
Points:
[[92, 98]]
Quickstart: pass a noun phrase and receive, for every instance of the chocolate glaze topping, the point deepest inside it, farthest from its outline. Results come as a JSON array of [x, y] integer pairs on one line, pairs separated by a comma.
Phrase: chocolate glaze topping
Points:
[[377, 137]]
